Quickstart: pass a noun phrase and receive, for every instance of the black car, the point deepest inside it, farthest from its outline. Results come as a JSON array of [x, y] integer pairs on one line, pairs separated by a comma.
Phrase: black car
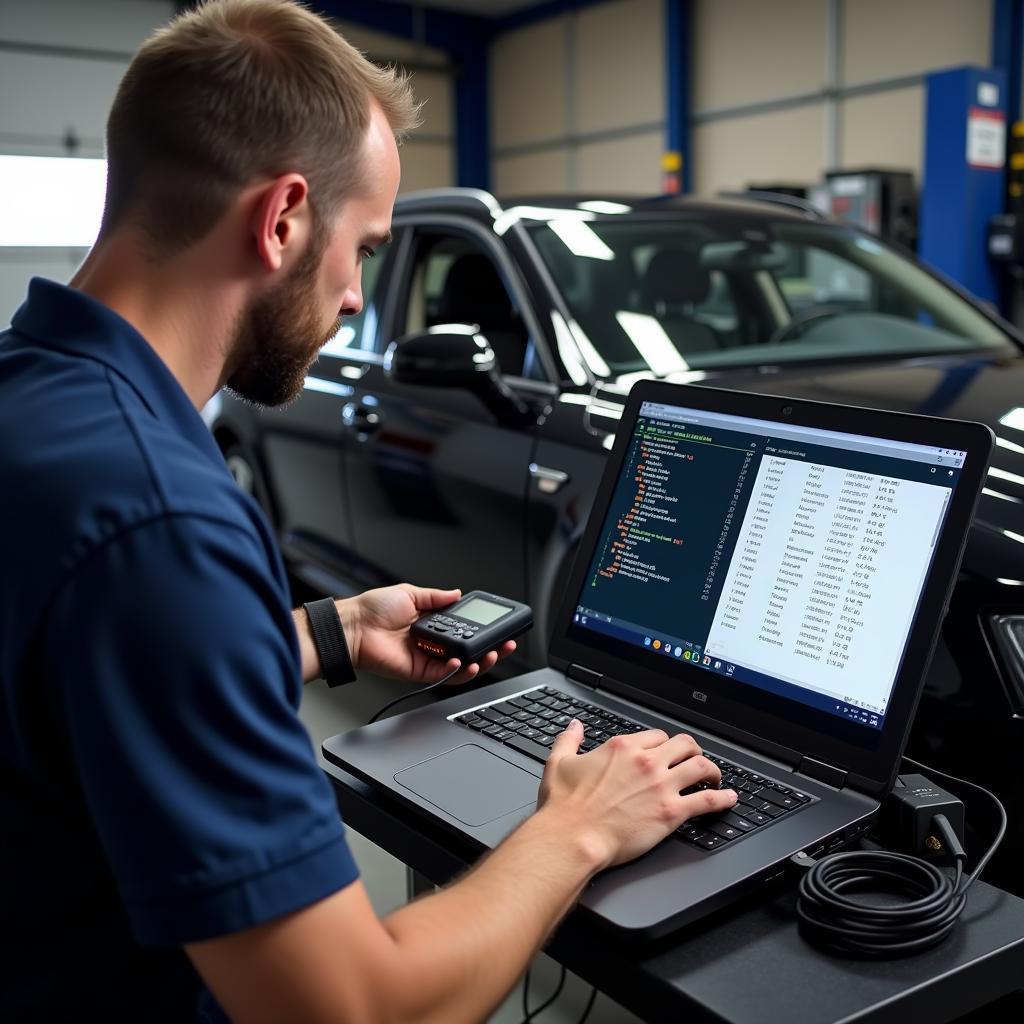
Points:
[[453, 433]]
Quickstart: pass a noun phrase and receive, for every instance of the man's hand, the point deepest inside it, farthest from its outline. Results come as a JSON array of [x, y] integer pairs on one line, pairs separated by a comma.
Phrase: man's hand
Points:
[[625, 794], [377, 630]]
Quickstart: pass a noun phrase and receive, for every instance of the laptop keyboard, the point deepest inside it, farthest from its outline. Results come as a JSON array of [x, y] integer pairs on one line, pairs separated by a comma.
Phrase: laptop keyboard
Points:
[[530, 723]]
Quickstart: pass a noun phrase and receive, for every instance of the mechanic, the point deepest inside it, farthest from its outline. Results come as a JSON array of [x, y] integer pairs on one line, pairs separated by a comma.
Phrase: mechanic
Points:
[[171, 849]]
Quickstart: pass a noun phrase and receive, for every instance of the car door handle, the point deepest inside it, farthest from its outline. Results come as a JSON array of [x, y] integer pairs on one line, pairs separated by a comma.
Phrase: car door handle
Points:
[[362, 419], [549, 481]]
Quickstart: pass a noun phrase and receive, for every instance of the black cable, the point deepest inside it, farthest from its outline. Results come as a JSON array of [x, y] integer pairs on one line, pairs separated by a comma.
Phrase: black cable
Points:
[[589, 1006], [932, 901], [531, 1014], [412, 693]]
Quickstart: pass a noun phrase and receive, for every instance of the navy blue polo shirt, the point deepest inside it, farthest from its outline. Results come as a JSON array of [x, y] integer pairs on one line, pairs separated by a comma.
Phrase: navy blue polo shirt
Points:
[[156, 784]]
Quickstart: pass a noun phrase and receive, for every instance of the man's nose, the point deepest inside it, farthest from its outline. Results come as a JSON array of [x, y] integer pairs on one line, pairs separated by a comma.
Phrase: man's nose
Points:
[[352, 303]]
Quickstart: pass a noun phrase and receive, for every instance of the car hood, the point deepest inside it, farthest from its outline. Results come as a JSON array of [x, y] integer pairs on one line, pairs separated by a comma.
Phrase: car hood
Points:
[[985, 388]]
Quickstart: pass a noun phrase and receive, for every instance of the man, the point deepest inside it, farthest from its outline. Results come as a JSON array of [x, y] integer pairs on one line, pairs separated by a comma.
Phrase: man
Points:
[[167, 832]]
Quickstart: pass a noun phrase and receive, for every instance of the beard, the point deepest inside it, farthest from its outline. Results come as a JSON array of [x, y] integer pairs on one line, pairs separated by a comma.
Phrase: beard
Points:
[[278, 337]]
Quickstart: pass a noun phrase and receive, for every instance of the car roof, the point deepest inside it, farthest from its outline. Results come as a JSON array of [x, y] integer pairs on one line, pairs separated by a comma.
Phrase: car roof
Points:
[[487, 207]]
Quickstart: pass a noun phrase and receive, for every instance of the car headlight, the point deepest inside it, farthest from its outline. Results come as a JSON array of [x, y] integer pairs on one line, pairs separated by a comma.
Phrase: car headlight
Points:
[[1008, 631]]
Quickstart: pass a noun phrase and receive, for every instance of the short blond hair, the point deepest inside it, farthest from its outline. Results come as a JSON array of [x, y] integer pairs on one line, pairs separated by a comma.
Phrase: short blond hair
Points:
[[233, 92]]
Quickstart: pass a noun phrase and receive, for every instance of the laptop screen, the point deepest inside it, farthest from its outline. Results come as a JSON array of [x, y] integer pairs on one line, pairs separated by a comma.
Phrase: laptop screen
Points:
[[787, 558]]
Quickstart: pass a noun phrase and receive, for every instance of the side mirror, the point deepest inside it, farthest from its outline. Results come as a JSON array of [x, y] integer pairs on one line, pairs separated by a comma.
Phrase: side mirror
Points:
[[454, 356], [449, 355]]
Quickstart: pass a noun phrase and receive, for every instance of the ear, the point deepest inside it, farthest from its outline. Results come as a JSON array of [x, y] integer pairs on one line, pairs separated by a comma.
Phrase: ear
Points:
[[281, 219]]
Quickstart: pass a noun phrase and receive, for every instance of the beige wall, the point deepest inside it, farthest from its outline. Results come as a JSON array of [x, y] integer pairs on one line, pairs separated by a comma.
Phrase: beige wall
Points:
[[528, 86], [917, 35], [885, 130], [771, 148], [531, 173], [620, 65], [751, 51], [629, 165], [428, 155], [563, 89]]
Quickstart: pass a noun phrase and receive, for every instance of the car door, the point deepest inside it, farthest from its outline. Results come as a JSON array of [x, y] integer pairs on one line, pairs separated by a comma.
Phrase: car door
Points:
[[303, 445], [437, 486]]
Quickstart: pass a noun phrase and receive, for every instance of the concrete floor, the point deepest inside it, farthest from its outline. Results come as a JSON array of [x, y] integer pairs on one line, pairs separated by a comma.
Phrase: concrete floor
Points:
[[327, 712]]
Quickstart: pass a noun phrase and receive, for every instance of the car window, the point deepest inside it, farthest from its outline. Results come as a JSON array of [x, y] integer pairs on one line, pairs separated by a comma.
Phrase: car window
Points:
[[454, 280], [668, 294], [359, 333]]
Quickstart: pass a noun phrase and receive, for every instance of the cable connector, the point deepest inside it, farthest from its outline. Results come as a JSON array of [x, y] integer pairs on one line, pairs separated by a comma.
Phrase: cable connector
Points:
[[942, 838], [803, 860], [909, 815]]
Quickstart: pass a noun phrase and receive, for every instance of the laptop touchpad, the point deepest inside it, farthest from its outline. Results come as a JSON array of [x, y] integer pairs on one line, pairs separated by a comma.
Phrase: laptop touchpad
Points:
[[471, 784]]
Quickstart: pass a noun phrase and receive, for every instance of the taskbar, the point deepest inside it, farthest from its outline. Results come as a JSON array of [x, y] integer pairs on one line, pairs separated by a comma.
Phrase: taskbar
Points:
[[678, 649]]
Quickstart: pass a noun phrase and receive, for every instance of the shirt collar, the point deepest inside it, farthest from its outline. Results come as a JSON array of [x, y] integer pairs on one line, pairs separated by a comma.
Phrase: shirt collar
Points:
[[70, 321]]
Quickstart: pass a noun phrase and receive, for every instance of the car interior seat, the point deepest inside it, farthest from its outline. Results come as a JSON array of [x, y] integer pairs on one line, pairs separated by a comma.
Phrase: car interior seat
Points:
[[673, 284], [473, 293]]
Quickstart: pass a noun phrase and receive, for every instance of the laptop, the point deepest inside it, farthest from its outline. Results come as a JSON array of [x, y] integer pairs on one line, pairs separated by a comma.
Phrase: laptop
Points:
[[767, 574]]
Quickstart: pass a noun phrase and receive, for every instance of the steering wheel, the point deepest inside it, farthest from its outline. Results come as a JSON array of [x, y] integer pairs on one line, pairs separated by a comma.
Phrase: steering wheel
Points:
[[796, 327]]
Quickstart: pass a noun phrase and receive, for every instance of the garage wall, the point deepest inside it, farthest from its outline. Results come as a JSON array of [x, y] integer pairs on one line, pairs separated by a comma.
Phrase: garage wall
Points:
[[60, 65], [46, 97], [428, 156], [760, 73], [781, 91], [578, 103]]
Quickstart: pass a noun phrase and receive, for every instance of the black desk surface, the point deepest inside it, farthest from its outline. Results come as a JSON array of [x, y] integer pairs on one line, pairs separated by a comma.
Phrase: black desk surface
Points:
[[747, 965]]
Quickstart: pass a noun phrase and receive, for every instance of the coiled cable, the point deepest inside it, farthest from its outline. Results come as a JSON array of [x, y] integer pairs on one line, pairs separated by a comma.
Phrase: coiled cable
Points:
[[832, 916]]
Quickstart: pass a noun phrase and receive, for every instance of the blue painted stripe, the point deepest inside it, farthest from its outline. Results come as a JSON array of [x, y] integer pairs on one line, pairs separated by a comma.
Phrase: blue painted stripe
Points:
[[447, 30], [1007, 44], [466, 39], [678, 16], [473, 121]]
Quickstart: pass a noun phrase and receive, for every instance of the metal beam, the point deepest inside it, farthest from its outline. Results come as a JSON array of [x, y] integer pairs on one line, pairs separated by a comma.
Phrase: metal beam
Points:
[[1007, 43], [465, 38], [833, 81], [72, 52], [804, 99], [678, 103], [579, 139], [541, 12]]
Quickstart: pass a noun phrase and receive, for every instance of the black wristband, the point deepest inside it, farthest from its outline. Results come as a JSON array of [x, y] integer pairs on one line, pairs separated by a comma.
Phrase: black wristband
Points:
[[329, 641]]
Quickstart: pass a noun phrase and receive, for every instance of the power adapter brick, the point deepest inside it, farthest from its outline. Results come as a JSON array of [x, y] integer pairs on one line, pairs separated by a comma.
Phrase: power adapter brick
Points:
[[907, 818]]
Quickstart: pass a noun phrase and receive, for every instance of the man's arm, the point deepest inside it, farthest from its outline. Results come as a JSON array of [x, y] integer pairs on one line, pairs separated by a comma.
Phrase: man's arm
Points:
[[452, 956], [376, 625]]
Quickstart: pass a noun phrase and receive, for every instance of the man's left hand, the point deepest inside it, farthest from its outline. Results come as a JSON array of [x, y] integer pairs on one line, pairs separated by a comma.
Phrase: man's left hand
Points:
[[377, 630]]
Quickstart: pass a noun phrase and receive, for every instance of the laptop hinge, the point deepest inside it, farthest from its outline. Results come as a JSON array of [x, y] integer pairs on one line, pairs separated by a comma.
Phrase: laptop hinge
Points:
[[826, 773], [586, 676]]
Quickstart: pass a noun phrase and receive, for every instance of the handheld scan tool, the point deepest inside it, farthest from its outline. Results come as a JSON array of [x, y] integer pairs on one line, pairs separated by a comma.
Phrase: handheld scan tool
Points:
[[468, 629]]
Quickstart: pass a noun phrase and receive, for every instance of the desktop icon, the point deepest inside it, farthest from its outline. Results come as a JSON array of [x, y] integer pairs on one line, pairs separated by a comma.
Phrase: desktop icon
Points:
[[647, 641], [707, 660], [718, 664], [730, 669], [679, 652], [657, 645], [686, 655]]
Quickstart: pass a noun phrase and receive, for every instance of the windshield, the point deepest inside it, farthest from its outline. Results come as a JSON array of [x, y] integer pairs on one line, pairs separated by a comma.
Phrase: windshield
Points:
[[653, 294]]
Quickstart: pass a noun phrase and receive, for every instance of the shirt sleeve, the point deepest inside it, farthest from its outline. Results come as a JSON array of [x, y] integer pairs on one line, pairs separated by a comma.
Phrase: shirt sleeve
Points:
[[173, 662]]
